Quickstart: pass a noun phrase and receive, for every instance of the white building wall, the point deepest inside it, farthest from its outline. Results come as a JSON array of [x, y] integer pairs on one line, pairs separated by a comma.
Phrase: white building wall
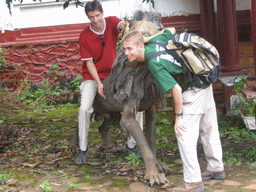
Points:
[[49, 13], [6, 21], [243, 4], [177, 8]]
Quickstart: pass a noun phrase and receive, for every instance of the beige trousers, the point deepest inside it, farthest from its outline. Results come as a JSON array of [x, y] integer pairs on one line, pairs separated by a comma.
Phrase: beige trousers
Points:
[[200, 119], [88, 90]]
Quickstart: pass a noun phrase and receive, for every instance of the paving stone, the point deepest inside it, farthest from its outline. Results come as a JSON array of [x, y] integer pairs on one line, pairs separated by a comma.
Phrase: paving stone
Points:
[[72, 167], [119, 178], [253, 186], [72, 180], [139, 187], [56, 187], [11, 182], [231, 183], [106, 183], [86, 187], [80, 173], [116, 189], [96, 178], [31, 190], [12, 189], [241, 174], [95, 171], [45, 178], [211, 182], [178, 161], [2, 167], [26, 182], [17, 159], [24, 175]]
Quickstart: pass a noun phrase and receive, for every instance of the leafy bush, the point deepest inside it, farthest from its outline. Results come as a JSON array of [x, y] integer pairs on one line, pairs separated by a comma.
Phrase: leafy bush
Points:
[[46, 186], [248, 105], [132, 158], [239, 139], [75, 84], [251, 155], [2, 58], [55, 70]]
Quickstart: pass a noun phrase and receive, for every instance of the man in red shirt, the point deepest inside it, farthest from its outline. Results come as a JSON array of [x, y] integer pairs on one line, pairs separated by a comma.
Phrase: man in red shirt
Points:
[[98, 51]]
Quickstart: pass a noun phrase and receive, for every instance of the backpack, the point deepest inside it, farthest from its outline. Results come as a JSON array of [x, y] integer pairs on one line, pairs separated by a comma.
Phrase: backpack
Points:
[[199, 59]]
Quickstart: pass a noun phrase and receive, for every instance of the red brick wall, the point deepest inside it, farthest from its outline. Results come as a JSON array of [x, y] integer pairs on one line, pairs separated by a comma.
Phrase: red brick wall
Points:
[[34, 50], [35, 60]]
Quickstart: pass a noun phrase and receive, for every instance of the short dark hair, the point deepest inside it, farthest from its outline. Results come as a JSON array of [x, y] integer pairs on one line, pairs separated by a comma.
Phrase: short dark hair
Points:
[[93, 6]]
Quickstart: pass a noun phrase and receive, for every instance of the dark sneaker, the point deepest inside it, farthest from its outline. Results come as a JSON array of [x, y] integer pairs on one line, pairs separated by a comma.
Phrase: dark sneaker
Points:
[[135, 150], [190, 187], [81, 157], [207, 175]]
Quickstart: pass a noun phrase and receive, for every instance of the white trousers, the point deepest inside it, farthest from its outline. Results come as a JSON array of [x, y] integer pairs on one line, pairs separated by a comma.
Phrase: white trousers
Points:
[[199, 118], [88, 90]]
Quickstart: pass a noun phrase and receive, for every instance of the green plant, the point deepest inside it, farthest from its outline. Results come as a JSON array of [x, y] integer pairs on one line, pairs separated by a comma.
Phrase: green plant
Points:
[[232, 157], [234, 132], [251, 165], [71, 184], [247, 105], [2, 59], [40, 95], [132, 159], [55, 70], [119, 161], [75, 84], [46, 186], [233, 128], [161, 134], [35, 91], [3, 178], [251, 155], [152, 1]]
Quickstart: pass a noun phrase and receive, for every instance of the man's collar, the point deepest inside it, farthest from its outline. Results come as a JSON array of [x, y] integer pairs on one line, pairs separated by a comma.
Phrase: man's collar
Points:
[[98, 32]]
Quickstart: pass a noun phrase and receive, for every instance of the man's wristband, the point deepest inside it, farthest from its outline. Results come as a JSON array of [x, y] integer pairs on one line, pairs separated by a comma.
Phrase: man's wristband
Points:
[[179, 114]]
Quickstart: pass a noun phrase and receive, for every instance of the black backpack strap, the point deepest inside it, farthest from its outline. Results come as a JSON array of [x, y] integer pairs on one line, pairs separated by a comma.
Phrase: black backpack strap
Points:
[[171, 52], [156, 43], [158, 52], [155, 55]]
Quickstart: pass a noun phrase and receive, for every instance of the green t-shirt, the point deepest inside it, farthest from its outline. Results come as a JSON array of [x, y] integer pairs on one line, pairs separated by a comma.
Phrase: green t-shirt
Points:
[[165, 69]]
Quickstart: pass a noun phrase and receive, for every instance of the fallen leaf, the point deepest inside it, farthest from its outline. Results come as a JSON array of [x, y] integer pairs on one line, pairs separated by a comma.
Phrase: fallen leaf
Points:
[[126, 168], [30, 165], [167, 185], [94, 163]]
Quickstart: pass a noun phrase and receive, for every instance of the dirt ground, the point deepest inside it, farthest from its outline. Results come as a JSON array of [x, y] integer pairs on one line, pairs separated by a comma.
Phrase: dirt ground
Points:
[[38, 158]]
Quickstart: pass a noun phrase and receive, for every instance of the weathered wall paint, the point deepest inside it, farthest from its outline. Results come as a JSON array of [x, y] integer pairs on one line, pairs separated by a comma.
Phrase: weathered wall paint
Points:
[[49, 13], [35, 60]]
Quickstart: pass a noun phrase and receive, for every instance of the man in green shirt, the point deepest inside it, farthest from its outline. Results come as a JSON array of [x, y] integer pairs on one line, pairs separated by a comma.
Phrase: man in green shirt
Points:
[[195, 111]]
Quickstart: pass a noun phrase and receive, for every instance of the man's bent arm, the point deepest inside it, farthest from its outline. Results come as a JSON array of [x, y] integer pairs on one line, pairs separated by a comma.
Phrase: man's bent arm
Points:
[[124, 26], [172, 29], [178, 103]]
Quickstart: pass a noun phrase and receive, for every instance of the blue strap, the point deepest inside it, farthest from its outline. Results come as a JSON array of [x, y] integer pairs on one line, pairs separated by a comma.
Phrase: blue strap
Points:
[[158, 52], [155, 55], [157, 43]]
